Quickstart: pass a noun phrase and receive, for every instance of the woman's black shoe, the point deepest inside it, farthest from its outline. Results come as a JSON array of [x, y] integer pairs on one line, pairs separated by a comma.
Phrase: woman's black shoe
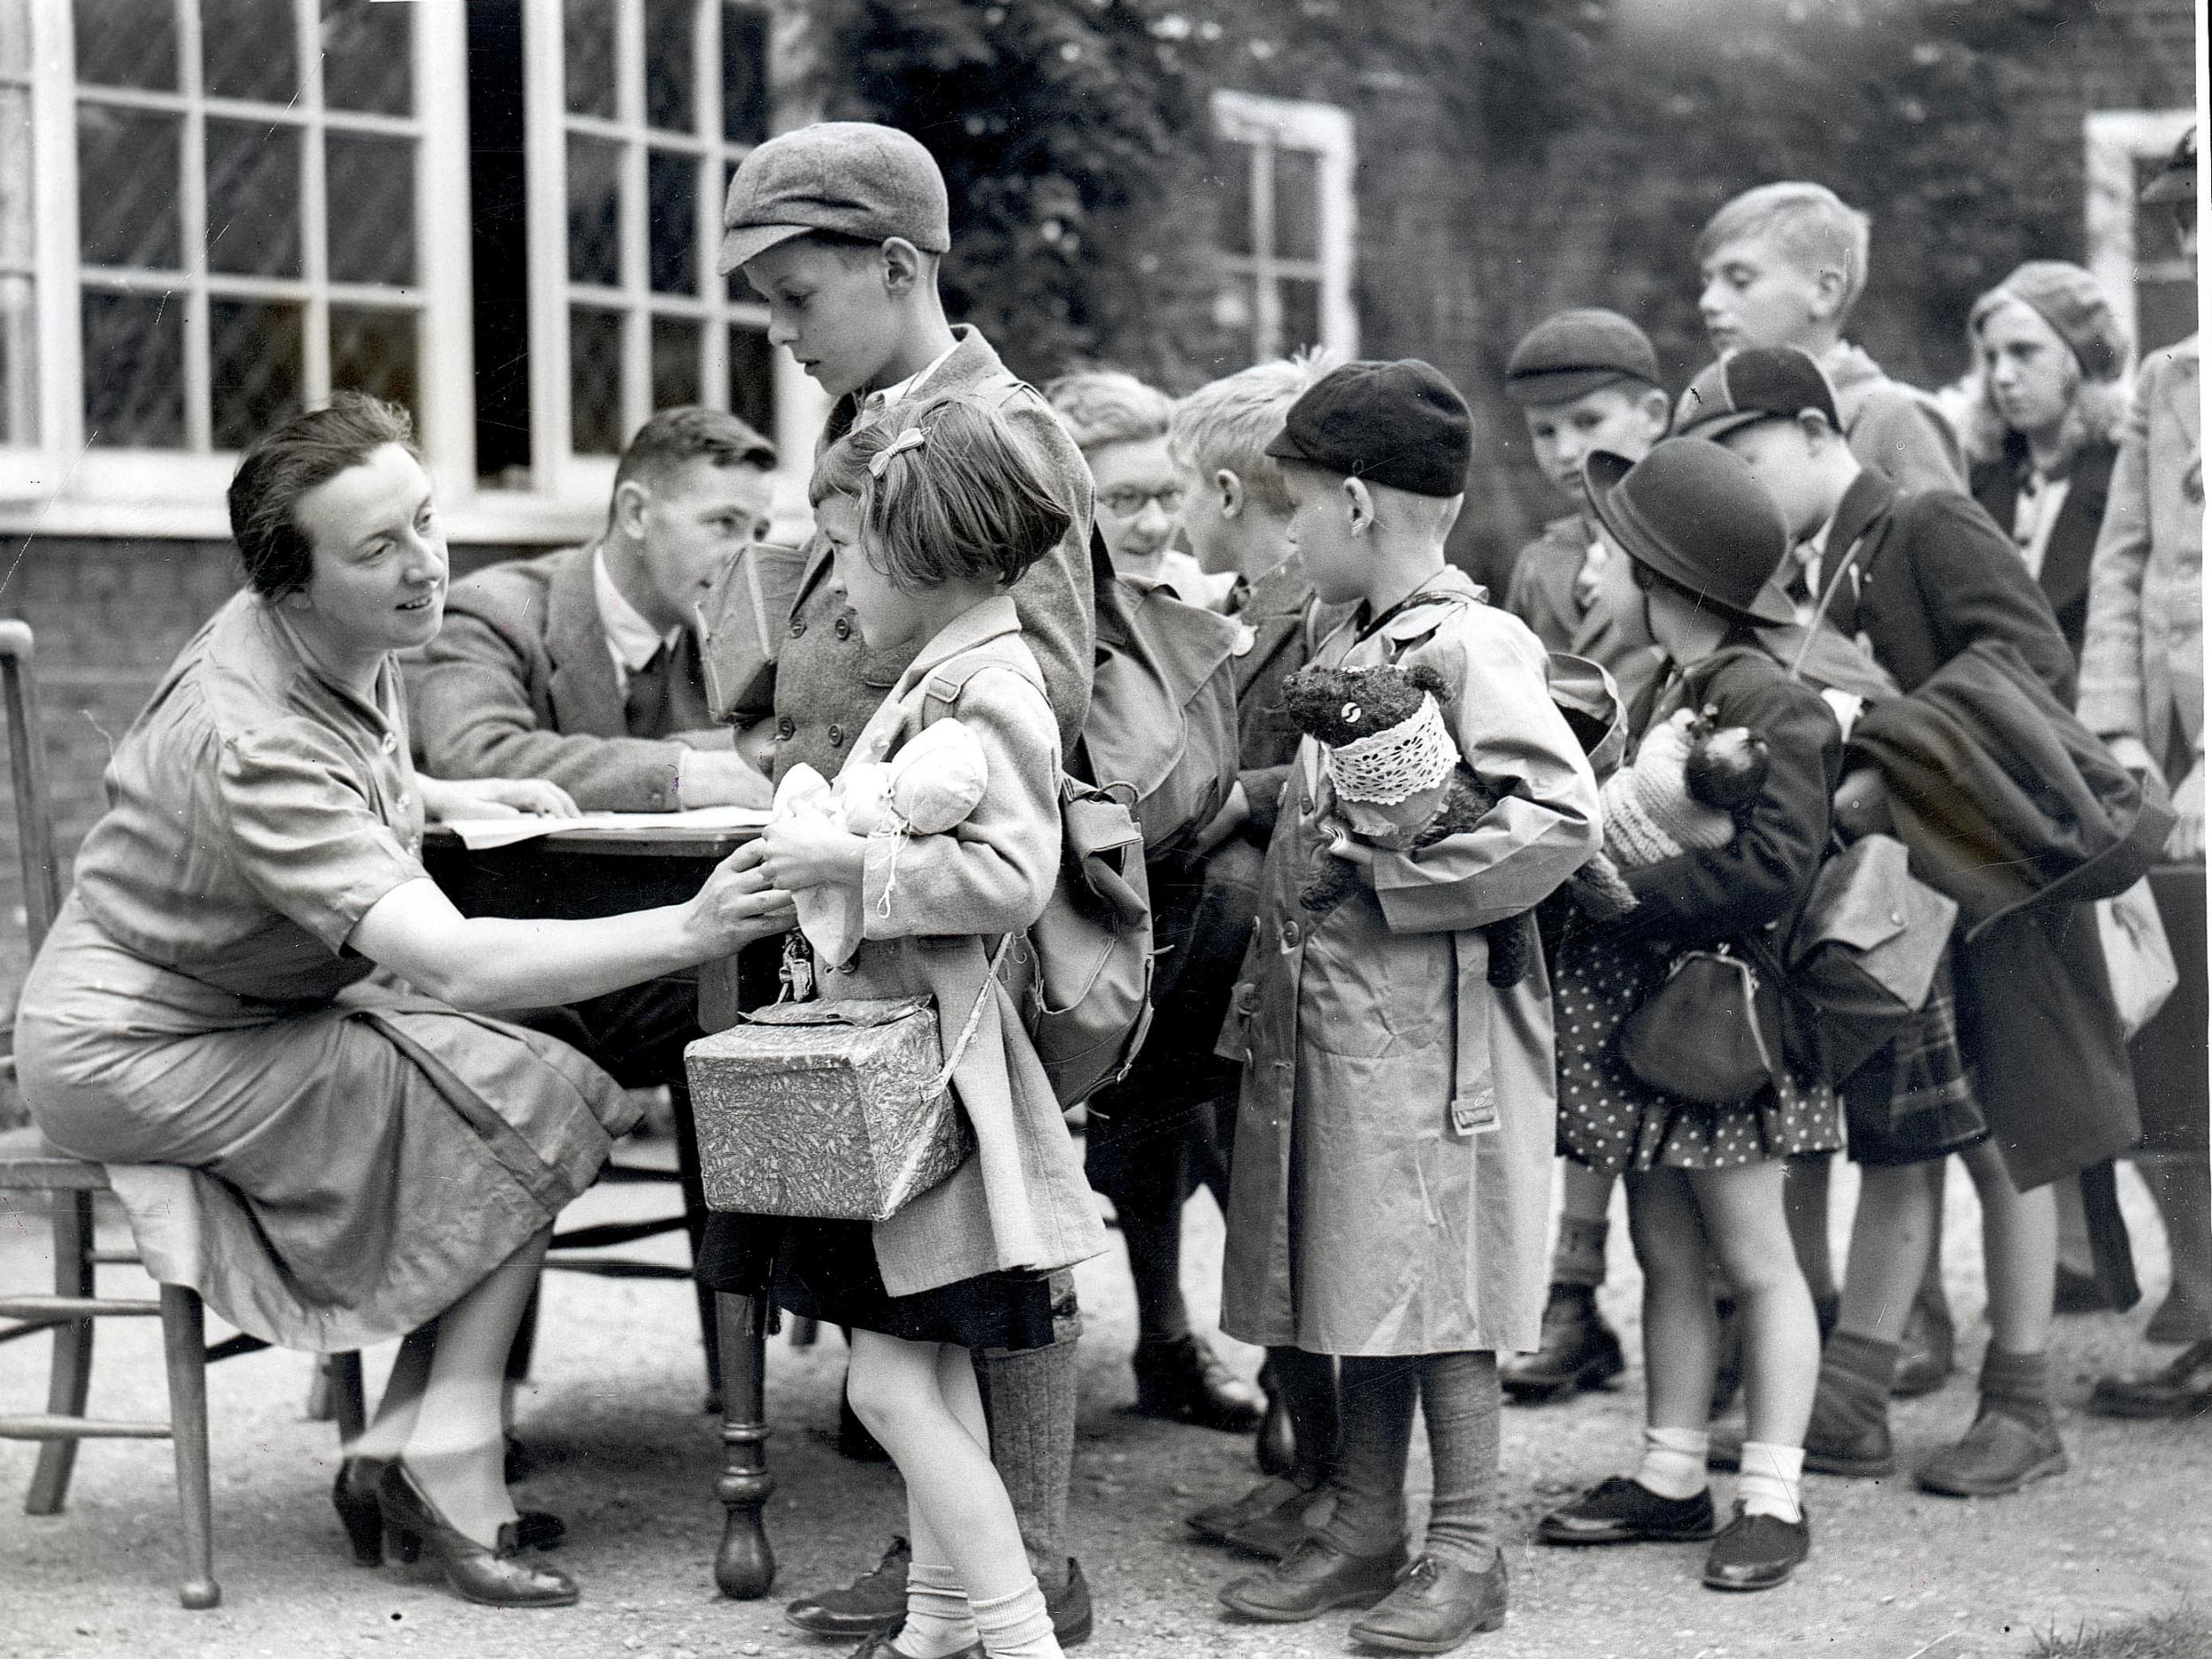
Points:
[[354, 1496], [492, 1577], [1618, 1511], [1756, 1552]]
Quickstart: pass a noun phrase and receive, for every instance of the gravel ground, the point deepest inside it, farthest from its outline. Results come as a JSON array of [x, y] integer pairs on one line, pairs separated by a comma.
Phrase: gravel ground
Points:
[[629, 1460]]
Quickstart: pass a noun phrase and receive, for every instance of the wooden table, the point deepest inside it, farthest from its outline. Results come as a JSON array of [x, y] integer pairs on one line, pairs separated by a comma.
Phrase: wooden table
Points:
[[585, 873]]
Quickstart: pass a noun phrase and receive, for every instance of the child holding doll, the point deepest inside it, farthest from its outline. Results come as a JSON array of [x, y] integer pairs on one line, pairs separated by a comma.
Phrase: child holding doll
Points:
[[932, 511]]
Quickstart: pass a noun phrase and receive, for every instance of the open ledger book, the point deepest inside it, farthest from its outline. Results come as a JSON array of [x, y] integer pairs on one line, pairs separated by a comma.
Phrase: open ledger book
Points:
[[482, 834]]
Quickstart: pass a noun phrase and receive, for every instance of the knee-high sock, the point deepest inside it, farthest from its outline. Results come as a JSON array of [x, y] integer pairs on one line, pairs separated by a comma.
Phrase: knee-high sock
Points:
[[1031, 1399], [1370, 1482], [1459, 1398], [1308, 1385]]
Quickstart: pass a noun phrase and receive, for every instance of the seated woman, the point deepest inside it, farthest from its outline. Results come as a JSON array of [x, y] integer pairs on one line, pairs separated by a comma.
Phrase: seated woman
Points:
[[224, 990]]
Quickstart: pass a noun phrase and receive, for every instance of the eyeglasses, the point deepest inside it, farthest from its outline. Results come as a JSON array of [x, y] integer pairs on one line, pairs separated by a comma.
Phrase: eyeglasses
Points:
[[1128, 502]]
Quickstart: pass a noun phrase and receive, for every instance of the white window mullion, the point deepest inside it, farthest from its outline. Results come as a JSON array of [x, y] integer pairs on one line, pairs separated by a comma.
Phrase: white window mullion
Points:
[[314, 208], [545, 159], [54, 209], [199, 399], [1267, 298], [633, 219], [445, 340], [706, 118]]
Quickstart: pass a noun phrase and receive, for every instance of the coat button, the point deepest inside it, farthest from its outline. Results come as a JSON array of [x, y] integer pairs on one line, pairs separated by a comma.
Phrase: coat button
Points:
[[798, 626], [1290, 936], [844, 627], [390, 744], [785, 728], [837, 736]]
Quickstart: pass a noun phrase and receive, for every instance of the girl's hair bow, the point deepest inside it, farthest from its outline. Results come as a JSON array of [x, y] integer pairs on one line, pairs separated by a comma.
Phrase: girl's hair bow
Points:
[[912, 438]]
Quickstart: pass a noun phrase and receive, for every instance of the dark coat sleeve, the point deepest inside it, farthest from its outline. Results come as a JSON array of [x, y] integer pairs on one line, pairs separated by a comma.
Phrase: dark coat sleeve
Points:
[[1974, 586], [1766, 871]]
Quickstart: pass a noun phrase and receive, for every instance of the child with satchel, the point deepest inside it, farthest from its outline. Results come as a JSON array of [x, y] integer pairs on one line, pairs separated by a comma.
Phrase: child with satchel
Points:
[[932, 513], [1697, 1103]]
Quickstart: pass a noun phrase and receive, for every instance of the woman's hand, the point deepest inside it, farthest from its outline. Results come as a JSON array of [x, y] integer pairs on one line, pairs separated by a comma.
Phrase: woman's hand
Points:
[[739, 904], [444, 799], [804, 850]]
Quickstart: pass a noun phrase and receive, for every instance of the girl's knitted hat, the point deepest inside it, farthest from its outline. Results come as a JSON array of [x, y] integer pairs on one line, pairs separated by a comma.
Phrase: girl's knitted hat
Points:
[[2068, 298]]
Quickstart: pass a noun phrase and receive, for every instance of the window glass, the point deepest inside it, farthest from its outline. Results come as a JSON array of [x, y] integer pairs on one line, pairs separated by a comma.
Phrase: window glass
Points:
[[368, 56], [253, 198], [248, 49], [594, 247], [127, 187], [595, 380], [744, 74], [127, 44], [753, 379], [370, 186], [1297, 204], [1235, 231], [675, 361], [373, 350], [671, 64], [671, 190], [256, 367], [134, 371], [1300, 303], [18, 314], [587, 45]]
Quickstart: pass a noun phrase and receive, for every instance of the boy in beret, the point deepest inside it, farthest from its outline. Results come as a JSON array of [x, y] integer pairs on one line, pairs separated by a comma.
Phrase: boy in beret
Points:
[[1921, 576], [1782, 266], [1394, 1130], [1586, 379], [841, 227]]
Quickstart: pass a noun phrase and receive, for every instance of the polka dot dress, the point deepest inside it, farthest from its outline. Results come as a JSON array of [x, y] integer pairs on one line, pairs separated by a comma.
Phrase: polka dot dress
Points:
[[1612, 1120]]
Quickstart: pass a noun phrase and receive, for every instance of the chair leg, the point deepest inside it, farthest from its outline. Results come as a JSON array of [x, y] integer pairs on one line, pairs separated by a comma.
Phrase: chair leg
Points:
[[349, 1401], [184, 1344], [69, 1380]]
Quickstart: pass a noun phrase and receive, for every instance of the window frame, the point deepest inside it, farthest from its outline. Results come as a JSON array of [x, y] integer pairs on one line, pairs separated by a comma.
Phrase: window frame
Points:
[[2113, 142], [1326, 132]]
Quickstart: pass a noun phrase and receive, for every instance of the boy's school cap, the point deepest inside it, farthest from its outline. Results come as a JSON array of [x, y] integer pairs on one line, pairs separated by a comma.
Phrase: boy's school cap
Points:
[[2068, 298], [850, 177], [1697, 515], [1756, 384], [1575, 352], [1401, 424], [2178, 181]]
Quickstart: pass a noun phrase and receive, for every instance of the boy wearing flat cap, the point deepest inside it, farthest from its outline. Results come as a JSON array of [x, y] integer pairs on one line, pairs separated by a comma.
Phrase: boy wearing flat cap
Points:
[[1394, 1130], [840, 227]]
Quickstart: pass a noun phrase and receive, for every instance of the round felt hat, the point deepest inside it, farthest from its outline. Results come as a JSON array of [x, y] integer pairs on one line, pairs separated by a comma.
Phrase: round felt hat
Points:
[[1696, 514]]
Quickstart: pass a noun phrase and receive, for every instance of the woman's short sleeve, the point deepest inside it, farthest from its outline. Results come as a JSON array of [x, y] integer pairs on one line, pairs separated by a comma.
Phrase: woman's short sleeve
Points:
[[306, 830]]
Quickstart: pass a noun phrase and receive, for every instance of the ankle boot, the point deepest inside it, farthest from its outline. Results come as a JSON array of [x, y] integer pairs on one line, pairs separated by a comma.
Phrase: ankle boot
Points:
[[2015, 1436], [1849, 1432], [1576, 1350]]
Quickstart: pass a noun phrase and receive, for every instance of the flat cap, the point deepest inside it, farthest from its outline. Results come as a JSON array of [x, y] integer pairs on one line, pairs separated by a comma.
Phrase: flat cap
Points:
[[1401, 424], [1572, 353], [850, 177], [1757, 384]]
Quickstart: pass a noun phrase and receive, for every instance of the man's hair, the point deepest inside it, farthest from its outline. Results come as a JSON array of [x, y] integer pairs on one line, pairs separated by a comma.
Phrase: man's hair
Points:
[[1099, 406], [973, 499], [689, 433], [1808, 222], [1228, 424], [280, 467]]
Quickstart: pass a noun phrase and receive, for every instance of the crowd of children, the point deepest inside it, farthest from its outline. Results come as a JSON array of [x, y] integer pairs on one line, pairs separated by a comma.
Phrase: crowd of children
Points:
[[1791, 592]]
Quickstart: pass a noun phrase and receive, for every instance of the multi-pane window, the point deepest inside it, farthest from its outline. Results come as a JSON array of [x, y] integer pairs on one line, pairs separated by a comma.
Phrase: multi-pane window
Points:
[[640, 109], [248, 205], [2132, 246], [1285, 230], [18, 267]]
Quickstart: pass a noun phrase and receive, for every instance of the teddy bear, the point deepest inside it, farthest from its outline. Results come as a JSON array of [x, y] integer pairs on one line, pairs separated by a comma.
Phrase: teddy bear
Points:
[[1685, 791], [1400, 783], [931, 785]]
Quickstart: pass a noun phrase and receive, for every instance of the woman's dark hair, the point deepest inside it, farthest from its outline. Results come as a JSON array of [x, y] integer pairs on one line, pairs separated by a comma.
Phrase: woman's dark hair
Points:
[[970, 498], [281, 467]]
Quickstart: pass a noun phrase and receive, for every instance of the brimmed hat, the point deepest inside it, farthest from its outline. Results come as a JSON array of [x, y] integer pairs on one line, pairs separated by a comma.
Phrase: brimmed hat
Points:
[[1576, 352], [1697, 515], [2178, 181], [1401, 424], [1760, 383], [850, 177], [2067, 297]]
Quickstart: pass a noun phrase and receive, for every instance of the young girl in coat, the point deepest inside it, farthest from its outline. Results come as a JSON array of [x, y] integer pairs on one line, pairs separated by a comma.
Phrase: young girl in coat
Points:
[[1706, 538], [933, 512]]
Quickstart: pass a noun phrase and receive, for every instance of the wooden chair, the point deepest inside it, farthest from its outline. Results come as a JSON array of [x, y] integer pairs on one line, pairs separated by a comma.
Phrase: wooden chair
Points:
[[29, 1164]]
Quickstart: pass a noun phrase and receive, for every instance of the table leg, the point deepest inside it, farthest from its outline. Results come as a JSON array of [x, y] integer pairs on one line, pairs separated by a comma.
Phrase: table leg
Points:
[[745, 1565]]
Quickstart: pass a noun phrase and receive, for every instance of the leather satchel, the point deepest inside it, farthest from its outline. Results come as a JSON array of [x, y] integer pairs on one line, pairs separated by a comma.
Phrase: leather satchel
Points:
[[1865, 951], [1709, 1033]]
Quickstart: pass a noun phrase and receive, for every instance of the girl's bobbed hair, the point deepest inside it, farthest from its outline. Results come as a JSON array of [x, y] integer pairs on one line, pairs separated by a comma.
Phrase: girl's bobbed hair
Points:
[[948, 490], [281, 467]]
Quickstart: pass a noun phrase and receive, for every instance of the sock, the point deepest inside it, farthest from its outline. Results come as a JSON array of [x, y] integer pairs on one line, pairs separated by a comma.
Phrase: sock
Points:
[[938, 1622], [1031, 1395], [1307, 1383], [1674, 1461], [1771, 1477], [1854, 1378], [1459, 1398], [1017, 1626], [2017, 1383], [1370, 1482], [1578, 1258]]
